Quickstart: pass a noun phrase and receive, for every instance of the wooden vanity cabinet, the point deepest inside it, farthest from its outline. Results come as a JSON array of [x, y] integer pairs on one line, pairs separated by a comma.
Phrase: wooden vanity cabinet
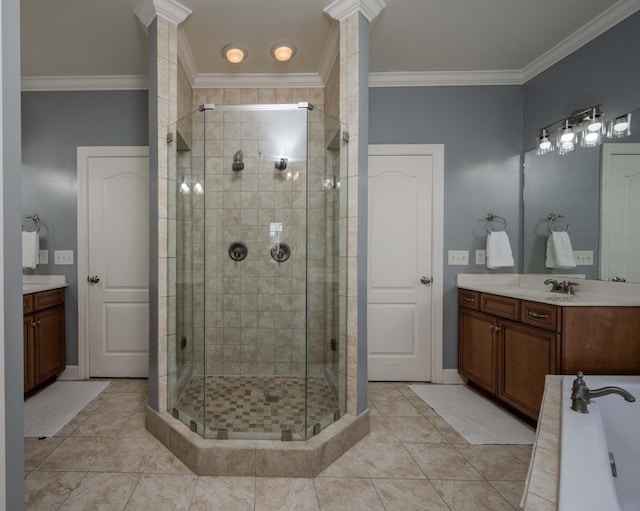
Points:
[[507, 346], [44, 337]]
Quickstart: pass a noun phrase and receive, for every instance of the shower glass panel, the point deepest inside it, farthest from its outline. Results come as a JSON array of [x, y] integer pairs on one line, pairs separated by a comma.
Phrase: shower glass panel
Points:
[[259, 350]]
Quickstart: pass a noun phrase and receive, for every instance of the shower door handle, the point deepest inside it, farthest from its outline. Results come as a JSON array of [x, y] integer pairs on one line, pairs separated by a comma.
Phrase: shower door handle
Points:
[[426, 280], [93, 280]]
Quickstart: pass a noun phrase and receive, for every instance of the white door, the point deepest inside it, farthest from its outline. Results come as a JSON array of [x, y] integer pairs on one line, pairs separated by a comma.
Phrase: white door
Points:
[[620, 211], [400, 266], [118, 263]]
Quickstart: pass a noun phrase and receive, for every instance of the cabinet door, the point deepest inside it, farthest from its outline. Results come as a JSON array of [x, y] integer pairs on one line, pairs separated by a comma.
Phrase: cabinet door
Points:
[[49, 343], [527, 355], [29, 370], [477, 348]]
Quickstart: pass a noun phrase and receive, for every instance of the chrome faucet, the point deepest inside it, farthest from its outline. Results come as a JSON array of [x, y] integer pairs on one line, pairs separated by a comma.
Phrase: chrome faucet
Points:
[[581, 395], [562, 287]]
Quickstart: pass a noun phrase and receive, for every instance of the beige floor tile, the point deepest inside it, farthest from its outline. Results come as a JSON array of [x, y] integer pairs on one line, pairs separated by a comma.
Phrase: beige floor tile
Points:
[[471, 496], [347, 494], [160, 491], [135, 425], [35, 450], [522, 452], [447, 431], [126, 454], [285, 494], [387, 461], [395, 406], [510, 490], [75, 454], [106, 492], [163, 461], [228, 493], [102, 424], [134, 385], [97, 401], [122, 402], [494, 462], [535, 503], [413, 430], [47, 490], [409, 495], [381, 389], [350, 464], [73, 424], [442, 462]]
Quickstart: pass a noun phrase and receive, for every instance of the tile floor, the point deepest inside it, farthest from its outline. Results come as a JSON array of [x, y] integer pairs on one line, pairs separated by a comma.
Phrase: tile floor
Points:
[[412, 460]]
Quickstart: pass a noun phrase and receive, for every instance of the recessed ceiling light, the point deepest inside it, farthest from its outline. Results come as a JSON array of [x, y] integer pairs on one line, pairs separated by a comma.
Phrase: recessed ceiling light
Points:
[[283, 51], [234, 53]]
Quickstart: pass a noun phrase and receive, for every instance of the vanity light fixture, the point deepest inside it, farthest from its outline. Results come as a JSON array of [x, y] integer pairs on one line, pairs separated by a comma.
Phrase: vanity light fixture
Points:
[[283, 51], [586, 126], [184, 186], [234, 53]]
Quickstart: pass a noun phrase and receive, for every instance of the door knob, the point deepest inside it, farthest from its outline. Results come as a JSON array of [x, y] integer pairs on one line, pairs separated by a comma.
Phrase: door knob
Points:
[[93, 280], [425, 280]]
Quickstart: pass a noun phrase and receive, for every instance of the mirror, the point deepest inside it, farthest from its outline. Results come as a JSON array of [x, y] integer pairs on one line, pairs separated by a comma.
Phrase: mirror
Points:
[[570, 186]]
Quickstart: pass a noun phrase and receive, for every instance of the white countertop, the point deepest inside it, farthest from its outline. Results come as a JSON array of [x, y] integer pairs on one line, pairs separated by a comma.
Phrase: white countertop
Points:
[[589, 293], [38, 283]]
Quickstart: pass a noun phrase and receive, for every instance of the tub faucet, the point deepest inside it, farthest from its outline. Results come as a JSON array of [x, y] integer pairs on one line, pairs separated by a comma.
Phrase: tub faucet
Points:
[[581, 395]]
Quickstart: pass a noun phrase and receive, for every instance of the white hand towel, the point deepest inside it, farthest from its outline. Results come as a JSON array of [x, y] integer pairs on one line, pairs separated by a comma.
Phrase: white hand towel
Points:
[[30, 249], [559, 251], [498, 250]]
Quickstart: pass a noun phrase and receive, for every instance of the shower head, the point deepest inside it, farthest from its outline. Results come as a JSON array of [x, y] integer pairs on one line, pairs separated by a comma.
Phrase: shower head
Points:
[[282, 164], [238, 164]]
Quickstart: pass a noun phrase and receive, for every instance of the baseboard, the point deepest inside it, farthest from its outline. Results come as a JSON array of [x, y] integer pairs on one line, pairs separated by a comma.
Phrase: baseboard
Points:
[[69, 373], [452, 376]]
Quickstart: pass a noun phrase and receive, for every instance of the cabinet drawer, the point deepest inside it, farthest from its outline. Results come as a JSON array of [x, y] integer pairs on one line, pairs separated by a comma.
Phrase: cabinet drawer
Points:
[[469, 299], [540, 315], [501, 306], [48, 299], [27, 304]]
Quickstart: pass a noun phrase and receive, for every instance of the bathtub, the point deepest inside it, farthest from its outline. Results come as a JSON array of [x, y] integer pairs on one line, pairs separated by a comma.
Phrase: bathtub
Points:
[[611, 426]]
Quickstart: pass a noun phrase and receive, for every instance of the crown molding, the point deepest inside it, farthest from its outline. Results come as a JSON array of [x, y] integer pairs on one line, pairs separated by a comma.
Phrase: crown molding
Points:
[[445, 78], [256, 80], [329, 53], [147, 10], [76, 83], [612, 16], [342, 9], [186, 56]]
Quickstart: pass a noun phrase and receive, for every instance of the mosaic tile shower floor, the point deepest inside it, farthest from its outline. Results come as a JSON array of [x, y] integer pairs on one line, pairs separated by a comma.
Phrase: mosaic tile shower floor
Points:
[[256, 404]]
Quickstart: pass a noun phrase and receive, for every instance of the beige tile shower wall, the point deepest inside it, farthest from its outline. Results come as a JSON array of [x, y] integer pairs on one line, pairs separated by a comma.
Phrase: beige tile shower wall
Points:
[[255, 309], [167, 79]]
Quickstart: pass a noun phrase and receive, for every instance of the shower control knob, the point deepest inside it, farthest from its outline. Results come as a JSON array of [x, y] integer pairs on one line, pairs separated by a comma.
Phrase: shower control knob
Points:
[[93, 280], [425, 280]]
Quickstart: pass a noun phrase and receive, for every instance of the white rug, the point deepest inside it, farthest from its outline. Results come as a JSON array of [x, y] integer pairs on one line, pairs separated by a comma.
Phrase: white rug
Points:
[[476, 418], [50, 409]]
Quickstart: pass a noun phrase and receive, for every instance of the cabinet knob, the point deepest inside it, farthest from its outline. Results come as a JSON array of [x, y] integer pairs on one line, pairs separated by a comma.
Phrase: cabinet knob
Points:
[[93, 280]]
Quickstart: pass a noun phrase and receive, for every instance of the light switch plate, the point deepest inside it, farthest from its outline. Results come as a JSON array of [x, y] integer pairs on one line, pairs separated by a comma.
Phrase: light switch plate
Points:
[[458, 257], [481, 256], [63, 256], [43, 257], [583, 257]]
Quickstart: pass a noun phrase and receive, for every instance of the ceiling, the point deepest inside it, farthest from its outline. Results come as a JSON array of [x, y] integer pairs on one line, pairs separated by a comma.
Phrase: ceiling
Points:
[[81, 38]]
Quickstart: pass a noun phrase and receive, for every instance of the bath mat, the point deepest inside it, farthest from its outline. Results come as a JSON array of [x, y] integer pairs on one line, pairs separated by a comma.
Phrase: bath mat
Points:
[[50, 409], [476, 418]]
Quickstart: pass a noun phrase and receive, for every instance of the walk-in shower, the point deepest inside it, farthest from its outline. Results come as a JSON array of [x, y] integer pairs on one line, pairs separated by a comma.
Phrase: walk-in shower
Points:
[[259, 350]]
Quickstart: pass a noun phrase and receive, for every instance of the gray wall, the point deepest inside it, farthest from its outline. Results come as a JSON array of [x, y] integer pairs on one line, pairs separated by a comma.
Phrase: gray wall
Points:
[[12, 407], [603, 71], [54, 124], [481, 130]]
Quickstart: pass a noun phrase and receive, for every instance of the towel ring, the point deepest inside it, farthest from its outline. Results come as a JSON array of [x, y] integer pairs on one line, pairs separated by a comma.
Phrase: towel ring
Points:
[[36, 220], [491, 217], [552, 218]]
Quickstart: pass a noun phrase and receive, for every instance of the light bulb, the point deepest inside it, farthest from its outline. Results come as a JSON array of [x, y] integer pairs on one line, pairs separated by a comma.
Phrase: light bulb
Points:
[[234, 53], [184, 187], [545, 144], [591, 138], [198, 189], [283, 51], [620, 125], [594, 126], [567, 136]]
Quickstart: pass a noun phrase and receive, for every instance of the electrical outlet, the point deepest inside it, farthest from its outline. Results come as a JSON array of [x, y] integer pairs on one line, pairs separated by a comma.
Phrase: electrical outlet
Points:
[[43, 257], [583, 257], [458, 257], [63, 257], [481, 256]]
